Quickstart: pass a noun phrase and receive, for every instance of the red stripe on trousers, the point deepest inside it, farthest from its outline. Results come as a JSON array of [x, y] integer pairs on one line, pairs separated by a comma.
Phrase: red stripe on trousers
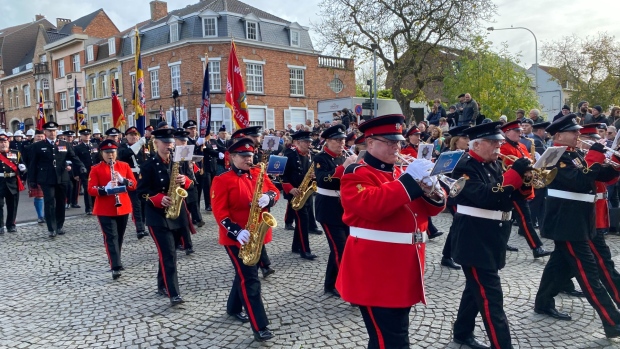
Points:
[[243, 291], [331, 239], [528, 233], [605, 271], [487, 311], [379, 334], [107, 251], [588, 286], [301, 235], [161, 261]]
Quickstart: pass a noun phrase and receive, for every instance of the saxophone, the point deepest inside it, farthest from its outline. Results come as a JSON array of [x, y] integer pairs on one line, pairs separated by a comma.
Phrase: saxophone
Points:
[[307, 187], [175, 192], [250, 252]]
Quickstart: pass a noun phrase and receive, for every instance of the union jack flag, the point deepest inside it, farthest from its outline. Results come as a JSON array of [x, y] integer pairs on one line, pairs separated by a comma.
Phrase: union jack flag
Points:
[[79, 112]]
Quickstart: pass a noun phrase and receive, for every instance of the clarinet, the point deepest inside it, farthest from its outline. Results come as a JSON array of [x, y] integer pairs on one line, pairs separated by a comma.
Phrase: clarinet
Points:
[[117, 199]]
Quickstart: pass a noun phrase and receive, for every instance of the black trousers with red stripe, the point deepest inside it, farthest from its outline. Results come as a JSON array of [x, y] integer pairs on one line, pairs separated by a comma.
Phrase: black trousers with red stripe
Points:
[[137, 210], [606, 267], [113, 228], [483, 294], [245, 291], [537, 206], [183, 237], [311, 217], [289, 216], [388, 328], [264, 261], [301, 243], [575, 258], [167, 272], [88, 200], [526, 227], [447, 246], [336, 238]]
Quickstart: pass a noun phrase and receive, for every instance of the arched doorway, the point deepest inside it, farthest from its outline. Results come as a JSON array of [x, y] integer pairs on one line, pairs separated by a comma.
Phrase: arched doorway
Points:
[[14, 125]]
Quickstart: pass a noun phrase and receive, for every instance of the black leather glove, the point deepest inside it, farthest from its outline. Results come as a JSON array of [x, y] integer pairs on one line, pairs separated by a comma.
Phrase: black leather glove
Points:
[[598, 147], [83, 170], [522, 165]]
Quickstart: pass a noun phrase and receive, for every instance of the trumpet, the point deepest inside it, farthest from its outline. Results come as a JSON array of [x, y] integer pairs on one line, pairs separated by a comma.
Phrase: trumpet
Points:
[[608, 161], [455, 186]]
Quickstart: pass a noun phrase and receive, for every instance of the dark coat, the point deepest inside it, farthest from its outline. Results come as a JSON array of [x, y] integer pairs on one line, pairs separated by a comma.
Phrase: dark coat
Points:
[[328, 171], [48, 163], [296, 168]]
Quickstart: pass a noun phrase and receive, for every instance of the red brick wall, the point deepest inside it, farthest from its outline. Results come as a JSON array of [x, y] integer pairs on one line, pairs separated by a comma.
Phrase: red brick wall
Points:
[[101, 27]]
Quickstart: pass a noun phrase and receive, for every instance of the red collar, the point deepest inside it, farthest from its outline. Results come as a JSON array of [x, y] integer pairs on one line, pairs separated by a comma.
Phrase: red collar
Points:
[[300, 153], [330, 153], [476, 156], [562, 145]]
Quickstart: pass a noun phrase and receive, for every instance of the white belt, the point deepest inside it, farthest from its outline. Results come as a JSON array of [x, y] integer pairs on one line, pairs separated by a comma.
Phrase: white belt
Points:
[[482, 213], [571, 196], [5, 174], [328, 192], [601, 196], [387, 236], [135, 170]]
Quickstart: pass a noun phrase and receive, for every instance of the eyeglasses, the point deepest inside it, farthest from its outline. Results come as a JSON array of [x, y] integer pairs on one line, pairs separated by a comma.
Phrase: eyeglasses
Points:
[[388, 142], [610, 133]]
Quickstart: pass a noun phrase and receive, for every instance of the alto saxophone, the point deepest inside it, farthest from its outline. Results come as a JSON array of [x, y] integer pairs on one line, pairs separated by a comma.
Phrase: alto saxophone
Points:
[[250, 252], [175, 192], [307, 187]]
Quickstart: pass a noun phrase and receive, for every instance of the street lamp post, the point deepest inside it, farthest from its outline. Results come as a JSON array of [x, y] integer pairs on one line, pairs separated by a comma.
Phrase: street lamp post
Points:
[[535, 48], [175, 96], [374, 48]]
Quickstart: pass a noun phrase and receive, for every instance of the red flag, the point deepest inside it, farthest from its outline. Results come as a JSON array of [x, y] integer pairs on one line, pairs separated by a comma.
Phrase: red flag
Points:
[[41, 115], [118, 117], [235, 91]]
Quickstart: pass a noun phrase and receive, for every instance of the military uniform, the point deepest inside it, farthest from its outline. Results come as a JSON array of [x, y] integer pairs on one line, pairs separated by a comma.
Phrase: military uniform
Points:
[[183, 237], [48, 170], [11, 169], [210, 151], [537, 204], [89, 156]]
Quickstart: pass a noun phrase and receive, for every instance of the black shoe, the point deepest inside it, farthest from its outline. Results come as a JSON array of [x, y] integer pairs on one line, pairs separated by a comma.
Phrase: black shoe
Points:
[[89, 213], [52, 233], [240, 317], [574, 293], [554, 313], [141, 234], [267, 271], [180, 248], [209, 209], [295, 250], [540, 252], [40, 220], [116, 274], [176, 300], [12, 230], [67, 206], [315, 231], [60, 232], [536, 226], [511, 248], [437, 234], [189, 251], [121, 268], [471, 342], [515, 223], [263, 335], [289, 227], [449, 262], [2, 230], [200, 224], [162, 292], [333, 292], [76, 206], [307, 255], [612, 331]]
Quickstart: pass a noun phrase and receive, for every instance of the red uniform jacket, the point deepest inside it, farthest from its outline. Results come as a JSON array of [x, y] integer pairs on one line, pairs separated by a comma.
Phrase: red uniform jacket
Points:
[[99, 177], [231, 196], [602, 205], [410, 150], [520, 151], [375, 273]]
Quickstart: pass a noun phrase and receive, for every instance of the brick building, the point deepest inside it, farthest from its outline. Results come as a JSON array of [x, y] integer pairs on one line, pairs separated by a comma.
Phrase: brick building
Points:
[[284, 75]]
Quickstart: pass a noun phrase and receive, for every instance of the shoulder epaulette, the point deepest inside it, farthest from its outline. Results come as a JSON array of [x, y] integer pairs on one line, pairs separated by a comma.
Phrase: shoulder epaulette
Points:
[[351, 168]]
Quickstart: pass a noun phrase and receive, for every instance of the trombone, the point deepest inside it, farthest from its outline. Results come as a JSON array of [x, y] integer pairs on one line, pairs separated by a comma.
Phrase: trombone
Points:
[[455, 186]]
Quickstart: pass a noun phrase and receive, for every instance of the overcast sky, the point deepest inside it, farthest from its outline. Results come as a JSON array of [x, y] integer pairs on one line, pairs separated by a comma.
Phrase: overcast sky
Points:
[[548, 19]]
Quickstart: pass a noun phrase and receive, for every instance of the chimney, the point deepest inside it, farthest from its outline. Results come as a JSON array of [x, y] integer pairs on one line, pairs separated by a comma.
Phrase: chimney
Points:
[[38, 17], [60, 22], [159, 9], [76, 30]]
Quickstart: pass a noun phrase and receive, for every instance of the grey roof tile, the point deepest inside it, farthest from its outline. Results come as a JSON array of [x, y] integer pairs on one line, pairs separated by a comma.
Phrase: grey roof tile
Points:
[[82, 22]]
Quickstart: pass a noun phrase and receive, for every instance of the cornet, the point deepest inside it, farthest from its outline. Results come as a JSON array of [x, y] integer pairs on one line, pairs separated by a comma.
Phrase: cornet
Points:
[[608, 161], [455, 186]]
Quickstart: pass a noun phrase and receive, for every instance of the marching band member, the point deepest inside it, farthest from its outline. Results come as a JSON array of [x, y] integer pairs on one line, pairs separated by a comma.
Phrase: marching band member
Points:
[[191, 128], [537, 204], [112, 217], [153, 186], [571, 223], [413, 141], [73, 187], [329, 168], [382, 267], [512, 146], [184, 235], [481, 229], [12, 168], [89, 155], [231, 197]]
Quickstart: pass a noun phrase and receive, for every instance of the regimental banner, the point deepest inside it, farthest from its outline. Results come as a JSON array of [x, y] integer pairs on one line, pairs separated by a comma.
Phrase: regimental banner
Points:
[[236, 99]]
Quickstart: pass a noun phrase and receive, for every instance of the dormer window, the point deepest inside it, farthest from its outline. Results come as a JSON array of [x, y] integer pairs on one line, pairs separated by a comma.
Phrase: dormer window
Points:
[[209, 23], [295, 34], [112, 46], [251, 30], [174, 24], [295, 38]]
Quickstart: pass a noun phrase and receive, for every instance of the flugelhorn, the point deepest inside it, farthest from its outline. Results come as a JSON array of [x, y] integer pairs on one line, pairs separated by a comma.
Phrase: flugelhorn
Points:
[[455, 186]]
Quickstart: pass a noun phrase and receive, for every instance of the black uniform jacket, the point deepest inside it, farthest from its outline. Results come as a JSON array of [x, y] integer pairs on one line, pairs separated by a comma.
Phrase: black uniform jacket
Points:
[[481, 242], [296, 168], [48, 162], [127, 155], [153, 184], [540, 145], [328, 170], [211, 153], [10, 183], [88, 154], [573, 220], [221, 148]]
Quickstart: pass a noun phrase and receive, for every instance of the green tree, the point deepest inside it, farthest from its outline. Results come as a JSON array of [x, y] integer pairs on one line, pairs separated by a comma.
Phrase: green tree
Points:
[[496, 81]]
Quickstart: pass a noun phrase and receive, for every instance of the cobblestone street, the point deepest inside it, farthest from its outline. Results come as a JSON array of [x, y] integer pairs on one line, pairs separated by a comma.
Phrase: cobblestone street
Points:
[[59, 294]]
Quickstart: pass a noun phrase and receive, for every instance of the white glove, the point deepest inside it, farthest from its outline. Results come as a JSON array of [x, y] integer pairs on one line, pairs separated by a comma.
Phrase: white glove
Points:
[[21, 167], [420, 169], [243, 237], [109, 185], [221, 156], [537, 156], [200, 141], [142, 141], [263, 201], [120, 178]]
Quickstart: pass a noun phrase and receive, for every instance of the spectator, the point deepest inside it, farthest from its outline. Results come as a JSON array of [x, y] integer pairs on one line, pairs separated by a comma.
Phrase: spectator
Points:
[[565, 111], [459, 106], [598, 116], [480, 117], [437, 112], [610, 135], [535, 116], [614, 116], [299, 127], [424, 135], [289, 128], [443, 125], [503, 119], [469, 112], [582, 113], [520, 114], [436, 139], [602, 132], [452, 117]]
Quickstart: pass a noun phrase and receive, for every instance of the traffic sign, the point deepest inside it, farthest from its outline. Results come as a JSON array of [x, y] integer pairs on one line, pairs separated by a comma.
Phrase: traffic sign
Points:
[[21, 126], [368, 106], [358, 109]]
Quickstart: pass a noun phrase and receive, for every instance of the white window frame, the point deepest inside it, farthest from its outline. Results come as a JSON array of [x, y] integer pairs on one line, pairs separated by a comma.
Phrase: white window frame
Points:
[[133, 82], [16, 95], [43, 58], [10, 93], [252, 77], [93, 87], [175, 81], [94, 122], [254, 121], [298, 33], [63, 100], [27, 96], [133, 43], [294, 81], [104, 86], [61, 68], [154, 75], [288, 116], [204, 27], [112, 46], [174, 32], [75, 59], [215, 75], [90, 53], [71, 95], [105, 122], [248, 25], [45, 86]]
